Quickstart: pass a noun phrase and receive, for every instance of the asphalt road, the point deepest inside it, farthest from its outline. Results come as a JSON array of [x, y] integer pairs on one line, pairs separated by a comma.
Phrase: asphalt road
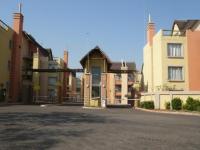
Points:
[[75, 128]]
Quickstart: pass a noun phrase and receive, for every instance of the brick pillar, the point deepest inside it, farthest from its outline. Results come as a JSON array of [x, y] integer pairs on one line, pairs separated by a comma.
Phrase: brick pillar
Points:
[[65, 74], [87, 87], [103, 88], [15, 75], [124, 87]]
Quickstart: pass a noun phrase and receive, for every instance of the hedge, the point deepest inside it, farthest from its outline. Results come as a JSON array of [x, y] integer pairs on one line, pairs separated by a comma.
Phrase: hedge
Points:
[[147, 104], [176, 103], [167, 105], [192, 104]]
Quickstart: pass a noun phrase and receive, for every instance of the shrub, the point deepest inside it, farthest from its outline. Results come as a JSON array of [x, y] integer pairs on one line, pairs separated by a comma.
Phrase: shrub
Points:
[[167, 105], [198, 108], [192, 104], [176, 103], [147, 105]]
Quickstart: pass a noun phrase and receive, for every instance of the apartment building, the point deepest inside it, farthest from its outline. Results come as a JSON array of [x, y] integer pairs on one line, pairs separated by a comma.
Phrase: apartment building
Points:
[[105, 81], [17, 48], [51, 85], [171, 57]]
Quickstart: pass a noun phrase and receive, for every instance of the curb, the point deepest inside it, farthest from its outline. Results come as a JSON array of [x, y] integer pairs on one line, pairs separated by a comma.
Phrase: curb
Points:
[[93, 107], [170, 112]]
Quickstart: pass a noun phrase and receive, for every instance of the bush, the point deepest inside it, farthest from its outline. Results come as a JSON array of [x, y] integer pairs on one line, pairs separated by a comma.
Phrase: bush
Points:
[[176, 104], [167, 105], [192, 104], [198, 108], [147, 105]]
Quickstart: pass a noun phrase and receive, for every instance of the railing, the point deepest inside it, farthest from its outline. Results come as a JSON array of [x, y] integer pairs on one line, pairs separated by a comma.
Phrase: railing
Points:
[[72, 100], [45, 99], [171, 33], [3, 25]]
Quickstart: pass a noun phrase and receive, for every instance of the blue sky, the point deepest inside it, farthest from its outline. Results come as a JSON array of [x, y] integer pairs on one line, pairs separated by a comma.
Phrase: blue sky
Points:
[[117, 26]]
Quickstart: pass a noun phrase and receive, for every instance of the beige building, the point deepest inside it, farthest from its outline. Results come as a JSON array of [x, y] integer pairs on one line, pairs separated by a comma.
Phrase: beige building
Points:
[[171, 63], [165, 61], [105, 82]]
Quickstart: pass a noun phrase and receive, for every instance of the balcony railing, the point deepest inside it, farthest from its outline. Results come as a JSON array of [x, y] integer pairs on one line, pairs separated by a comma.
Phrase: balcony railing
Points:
[[171, 33], [3, 25]]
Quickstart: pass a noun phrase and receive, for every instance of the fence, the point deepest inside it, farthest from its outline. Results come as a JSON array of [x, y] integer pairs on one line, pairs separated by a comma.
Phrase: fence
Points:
[[45, 99], [161, 98]]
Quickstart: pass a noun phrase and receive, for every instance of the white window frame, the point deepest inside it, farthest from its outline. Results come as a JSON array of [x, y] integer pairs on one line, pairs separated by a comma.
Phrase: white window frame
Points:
[[175, 79], [174, 53]]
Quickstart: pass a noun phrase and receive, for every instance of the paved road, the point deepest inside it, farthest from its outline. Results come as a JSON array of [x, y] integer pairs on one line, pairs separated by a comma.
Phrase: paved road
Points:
[[74, 128]]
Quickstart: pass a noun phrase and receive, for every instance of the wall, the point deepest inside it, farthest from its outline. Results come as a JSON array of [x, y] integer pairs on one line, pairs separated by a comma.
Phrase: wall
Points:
[[110, 88], [43, 76], [157, 61], [124, 86], [160, 98], [148, 67], [26, 78], [193, 46]]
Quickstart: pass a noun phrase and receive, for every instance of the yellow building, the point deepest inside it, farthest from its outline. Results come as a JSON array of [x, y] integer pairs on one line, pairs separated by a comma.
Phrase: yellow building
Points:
[[165, 61], [6, 46], [171, 63]]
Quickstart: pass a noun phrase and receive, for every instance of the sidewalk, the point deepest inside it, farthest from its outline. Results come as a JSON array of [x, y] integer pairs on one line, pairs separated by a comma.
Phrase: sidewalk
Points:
[[170, 112]]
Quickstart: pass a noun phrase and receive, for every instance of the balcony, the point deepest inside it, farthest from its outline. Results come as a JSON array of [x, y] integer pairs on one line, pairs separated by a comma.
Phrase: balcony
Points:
[[118, 82], [27, 76], [118, 93], [171, 33]]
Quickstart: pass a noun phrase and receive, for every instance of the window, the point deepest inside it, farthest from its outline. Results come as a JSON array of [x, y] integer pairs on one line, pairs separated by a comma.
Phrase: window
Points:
[[118, 88], [118, 76], [10, 44], [175, 73], [96, 79], [174, 50], [129, 89], [52, 81], [130, 77], [9, 65]]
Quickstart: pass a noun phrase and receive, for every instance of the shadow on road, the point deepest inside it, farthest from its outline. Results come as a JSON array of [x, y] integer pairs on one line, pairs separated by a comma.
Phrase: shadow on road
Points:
[[40, 130]]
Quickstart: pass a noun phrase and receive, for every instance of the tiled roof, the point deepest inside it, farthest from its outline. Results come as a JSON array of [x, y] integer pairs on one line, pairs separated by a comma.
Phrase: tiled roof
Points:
[[118, 65], [184, 25], [44, 51], [82, 61]]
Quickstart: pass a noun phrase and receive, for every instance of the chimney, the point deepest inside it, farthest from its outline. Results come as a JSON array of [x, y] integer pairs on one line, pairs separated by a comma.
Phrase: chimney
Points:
[[66, 58], [150, 31], [15, 75], [18, 21]]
